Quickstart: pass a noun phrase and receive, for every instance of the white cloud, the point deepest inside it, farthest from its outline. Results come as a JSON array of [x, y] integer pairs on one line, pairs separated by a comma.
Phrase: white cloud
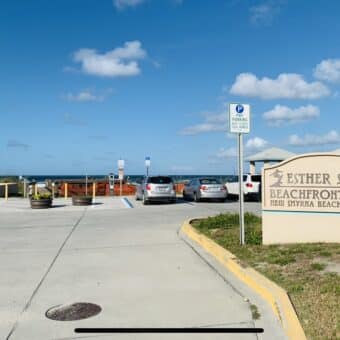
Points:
[[263, 13], [216, 118], [331, 137], [212, 123], [119, 62], [328, 70], [255, 144], [202, 128], [226, 153], [83, 96], [121, 4], [252, 145], [283, 115], [286, 85]]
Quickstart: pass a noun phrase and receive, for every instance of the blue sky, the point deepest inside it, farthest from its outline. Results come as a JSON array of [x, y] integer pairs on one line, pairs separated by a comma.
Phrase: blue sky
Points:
[[84, 82]]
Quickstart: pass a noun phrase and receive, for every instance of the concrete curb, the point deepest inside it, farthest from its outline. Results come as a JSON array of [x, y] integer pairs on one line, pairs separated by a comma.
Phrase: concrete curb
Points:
[[274, 295]]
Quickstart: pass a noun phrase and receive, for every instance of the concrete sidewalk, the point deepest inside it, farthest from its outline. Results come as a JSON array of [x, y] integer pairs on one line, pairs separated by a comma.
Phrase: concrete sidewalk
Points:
[[131, 262]]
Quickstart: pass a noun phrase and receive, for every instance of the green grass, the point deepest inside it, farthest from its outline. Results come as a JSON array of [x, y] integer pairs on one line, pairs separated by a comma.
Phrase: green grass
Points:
[[318, 266], [301, 269]]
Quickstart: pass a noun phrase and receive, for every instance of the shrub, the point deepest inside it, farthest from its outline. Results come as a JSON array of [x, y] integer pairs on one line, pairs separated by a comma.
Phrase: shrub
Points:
[[41, 196], [9, 179]]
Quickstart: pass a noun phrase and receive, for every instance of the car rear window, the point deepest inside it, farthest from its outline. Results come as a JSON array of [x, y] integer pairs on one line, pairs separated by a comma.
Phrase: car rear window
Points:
[[160, 180], [209, 181], [256, 178], [235, 179]]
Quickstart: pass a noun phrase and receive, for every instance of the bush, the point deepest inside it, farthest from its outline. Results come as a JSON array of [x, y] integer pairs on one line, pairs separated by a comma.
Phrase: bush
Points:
[[9, 179]]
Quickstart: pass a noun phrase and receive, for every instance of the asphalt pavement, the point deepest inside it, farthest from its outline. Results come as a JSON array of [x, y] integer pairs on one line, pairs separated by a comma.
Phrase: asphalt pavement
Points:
[[123, 256]]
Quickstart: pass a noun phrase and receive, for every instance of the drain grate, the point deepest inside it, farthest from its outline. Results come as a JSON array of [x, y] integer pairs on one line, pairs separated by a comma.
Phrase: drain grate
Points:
[[75, 311]]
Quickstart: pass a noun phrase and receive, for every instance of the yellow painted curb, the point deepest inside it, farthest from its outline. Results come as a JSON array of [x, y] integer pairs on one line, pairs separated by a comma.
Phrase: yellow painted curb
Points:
[[268, 290]]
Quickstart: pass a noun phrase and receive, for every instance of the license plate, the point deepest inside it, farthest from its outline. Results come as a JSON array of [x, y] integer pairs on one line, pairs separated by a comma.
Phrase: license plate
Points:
[[163, 189]]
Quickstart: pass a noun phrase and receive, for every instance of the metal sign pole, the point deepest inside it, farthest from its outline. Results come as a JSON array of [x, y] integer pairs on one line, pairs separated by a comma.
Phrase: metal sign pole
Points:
[[240, 180], [25, 188], [239, 122]]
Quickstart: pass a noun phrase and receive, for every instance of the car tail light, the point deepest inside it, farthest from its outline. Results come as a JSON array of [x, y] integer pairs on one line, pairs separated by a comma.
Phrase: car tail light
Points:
[[203, 187], [249, 185], [223, 188], [148, 187]]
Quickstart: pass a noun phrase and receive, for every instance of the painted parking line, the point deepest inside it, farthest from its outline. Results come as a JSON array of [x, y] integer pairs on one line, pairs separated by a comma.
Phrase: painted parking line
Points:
[[190, 203], [127, 203]]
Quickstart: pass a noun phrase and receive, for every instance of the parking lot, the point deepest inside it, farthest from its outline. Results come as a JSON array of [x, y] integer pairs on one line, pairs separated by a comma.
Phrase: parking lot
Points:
[[119, 254]]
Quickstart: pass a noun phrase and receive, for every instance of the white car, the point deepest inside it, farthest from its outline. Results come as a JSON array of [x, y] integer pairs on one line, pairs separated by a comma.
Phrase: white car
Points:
[[251, 187]]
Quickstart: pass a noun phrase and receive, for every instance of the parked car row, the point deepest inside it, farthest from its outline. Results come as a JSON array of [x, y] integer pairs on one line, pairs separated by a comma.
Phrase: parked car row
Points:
[[162, 188]]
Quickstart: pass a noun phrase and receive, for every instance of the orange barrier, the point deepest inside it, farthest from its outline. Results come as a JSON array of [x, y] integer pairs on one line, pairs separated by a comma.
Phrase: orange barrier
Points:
[[98, 189], [79, 189], [127, 189], [101, 189], [179, 188]]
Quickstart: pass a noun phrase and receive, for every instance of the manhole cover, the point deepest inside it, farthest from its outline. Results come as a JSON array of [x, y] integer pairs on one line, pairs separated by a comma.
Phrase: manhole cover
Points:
[[75, 311]]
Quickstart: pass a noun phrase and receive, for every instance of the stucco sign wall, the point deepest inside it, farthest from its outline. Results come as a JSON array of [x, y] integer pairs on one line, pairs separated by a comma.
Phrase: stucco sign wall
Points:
[[301, 199]]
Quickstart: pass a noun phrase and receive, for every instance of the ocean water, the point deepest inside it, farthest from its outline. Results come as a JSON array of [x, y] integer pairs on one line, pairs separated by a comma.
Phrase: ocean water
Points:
[[128, 178]]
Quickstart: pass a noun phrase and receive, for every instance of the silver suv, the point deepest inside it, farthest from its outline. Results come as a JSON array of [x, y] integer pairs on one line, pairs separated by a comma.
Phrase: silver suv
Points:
[[156, 188], [200, 188]]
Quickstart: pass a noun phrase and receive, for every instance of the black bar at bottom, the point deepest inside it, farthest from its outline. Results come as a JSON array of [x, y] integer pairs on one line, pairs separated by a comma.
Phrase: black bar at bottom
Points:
[[168, 330]]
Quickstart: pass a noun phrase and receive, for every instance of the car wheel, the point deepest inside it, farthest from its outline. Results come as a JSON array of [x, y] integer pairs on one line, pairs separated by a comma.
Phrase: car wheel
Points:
[[196, 199], [185, 197], [145, 201]]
